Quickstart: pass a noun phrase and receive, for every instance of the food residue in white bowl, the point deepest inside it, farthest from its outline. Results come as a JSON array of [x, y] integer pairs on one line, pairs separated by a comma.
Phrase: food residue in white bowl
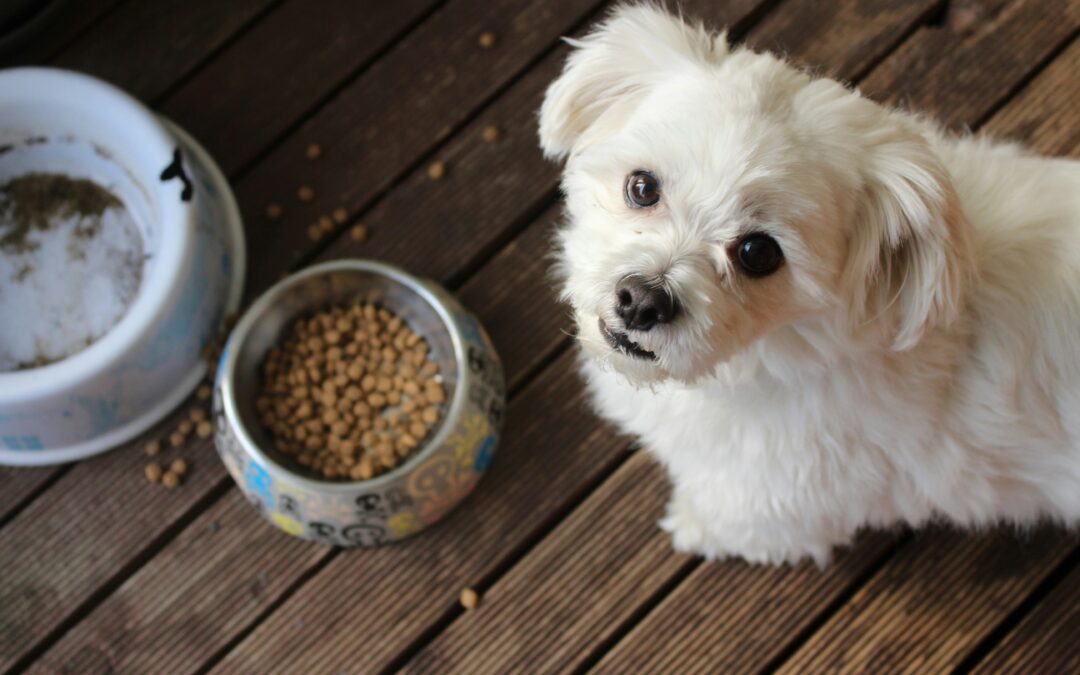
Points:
[[71, 262]]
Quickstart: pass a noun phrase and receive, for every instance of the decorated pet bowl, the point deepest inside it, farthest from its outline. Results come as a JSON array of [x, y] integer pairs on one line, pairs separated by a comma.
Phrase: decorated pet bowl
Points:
[[185, 265], [406, 499]]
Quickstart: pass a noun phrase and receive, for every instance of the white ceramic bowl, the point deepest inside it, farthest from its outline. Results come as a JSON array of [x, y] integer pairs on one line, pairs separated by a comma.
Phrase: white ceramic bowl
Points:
[[58, 121]]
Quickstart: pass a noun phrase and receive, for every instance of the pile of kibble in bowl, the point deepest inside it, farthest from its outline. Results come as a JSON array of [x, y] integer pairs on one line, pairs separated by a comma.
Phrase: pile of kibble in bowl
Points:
[[350, 393]]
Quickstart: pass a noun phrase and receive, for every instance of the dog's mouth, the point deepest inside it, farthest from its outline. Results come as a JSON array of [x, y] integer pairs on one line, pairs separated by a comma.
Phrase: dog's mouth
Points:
[[621, 342]]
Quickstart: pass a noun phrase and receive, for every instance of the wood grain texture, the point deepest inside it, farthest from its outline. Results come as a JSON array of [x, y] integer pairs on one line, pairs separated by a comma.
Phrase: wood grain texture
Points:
[[286, 64], [1043, 115], [380, 124], [931, 603], [18, 484], [736, 618], [70, 20], [974, 63], [147, 46], [71, 541], [572, 590], [138, 629], [387, 597], [1047, 640], [840, 39]]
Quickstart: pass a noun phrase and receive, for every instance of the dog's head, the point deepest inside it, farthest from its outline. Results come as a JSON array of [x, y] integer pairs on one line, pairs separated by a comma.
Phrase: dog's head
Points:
[[718, 199]]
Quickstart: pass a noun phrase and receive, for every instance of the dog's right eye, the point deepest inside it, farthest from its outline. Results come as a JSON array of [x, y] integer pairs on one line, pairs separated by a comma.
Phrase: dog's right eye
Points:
[[642, 190]]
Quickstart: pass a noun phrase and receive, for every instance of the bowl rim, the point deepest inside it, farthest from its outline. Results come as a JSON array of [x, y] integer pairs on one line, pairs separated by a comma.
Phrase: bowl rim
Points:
[[423, 288], [175, 218]]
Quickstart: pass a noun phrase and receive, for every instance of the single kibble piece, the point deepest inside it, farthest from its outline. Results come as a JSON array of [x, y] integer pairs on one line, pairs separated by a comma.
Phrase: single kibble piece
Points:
[[305, 193], [178, 466], [326, 223], [204, 429], [358, 233], [170, 479], [203, 392], [197, 415], [486, 40], [153, 472], [314, 232], [314, 151], [185, 427], [152, 448], [436, 170], [491, 134], [470, 599], [340, 215], [176, 439], [273, 211]]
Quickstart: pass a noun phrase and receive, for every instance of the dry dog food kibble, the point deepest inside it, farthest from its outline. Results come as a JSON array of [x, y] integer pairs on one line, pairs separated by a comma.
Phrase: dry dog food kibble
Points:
[[486, 40], [313, 151], [350, 392], [436, 170], [491, 134], [470, 599]]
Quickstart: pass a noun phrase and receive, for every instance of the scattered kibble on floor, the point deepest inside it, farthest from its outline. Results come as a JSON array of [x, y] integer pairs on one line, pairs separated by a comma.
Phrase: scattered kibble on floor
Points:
[[436, 170], [350, 392], [314, 151], [153, 472], [358, 232], [178, 466], [170, 480], [486, 40], [491, 134], [470, 599], [305, 193], [273, 211], [204, 429]]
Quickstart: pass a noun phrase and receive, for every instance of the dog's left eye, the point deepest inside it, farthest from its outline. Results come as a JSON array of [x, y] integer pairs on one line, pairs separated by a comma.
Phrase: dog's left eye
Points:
[[759, 255], [642, 189]]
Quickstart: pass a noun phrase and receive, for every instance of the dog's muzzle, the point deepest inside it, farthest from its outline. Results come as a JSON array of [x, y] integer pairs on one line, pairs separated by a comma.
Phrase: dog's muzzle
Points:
[[621, 342]]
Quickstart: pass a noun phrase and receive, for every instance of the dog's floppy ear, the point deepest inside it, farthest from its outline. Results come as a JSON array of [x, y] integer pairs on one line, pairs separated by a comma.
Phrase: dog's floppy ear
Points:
[[910, 257], [634, 47]]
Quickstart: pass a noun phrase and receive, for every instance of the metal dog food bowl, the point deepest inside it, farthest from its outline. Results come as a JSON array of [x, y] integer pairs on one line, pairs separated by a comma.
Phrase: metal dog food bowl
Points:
[[408, 498]]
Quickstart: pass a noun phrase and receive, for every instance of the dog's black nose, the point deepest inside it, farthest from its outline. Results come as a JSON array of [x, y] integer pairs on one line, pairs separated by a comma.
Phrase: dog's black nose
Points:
[[642, 306]]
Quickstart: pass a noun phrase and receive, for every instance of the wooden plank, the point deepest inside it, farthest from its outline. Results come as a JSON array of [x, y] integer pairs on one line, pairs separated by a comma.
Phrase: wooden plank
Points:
[[839, 39], [228, 541], [71, 541], [70, 20], [974, 63], [147, 46], [1043, 115], [369, 139], [929, 605], [273, 74], [571, 591], [18, 484], [1046, 640], [733, 617], [577, 587]]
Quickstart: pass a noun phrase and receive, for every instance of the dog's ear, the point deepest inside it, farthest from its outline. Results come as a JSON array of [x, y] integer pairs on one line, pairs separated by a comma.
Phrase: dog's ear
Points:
[[910, 255], [633, 48]]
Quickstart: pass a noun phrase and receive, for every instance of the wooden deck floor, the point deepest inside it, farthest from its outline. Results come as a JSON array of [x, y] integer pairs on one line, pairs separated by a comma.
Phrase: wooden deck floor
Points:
[[102, 572]]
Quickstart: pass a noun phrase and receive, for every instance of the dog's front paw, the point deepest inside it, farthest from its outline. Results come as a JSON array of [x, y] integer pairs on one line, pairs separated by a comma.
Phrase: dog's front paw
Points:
[[682, 523]]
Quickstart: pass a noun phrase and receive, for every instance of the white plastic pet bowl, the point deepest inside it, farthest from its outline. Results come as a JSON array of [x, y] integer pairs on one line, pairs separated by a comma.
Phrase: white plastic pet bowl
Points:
[[58, 121]]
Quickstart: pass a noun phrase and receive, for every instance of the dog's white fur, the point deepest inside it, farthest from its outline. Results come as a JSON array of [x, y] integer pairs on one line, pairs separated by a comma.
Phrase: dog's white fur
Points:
[[917, 356]]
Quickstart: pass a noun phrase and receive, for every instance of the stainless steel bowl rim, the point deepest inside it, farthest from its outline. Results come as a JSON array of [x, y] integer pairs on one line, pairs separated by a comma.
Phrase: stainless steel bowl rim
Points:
[[244, 326]]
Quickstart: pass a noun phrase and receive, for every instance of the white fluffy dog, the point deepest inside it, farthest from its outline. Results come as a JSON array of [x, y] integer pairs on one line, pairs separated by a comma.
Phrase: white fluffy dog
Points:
[[818, 313]]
